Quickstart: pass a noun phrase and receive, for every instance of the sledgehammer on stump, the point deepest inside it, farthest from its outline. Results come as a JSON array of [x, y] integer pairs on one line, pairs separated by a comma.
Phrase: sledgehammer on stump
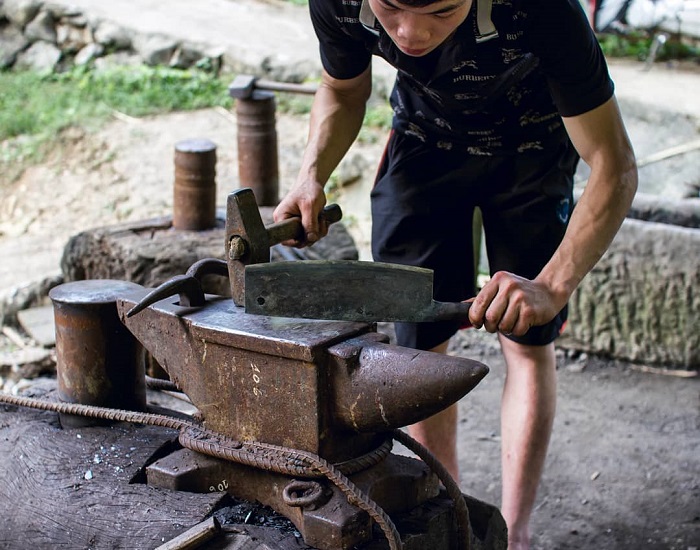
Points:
[[243, 87], [257, 134]]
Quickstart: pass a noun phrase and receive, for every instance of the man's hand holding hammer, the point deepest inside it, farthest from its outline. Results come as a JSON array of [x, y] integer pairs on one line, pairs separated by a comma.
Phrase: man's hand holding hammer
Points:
[[305, 200]]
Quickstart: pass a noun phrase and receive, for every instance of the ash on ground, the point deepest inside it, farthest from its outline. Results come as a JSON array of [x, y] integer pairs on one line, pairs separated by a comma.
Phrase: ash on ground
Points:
[[242, 512]]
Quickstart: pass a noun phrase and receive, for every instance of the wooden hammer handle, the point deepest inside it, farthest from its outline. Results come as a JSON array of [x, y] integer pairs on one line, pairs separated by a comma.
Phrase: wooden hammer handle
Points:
[[291, 228]]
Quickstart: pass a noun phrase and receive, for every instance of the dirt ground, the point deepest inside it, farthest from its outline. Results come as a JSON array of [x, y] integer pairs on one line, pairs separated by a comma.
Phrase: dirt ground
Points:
[[623, 472]]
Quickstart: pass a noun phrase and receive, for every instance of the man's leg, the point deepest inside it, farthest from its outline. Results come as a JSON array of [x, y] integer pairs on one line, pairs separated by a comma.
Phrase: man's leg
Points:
[[527, 414], [439, 432]]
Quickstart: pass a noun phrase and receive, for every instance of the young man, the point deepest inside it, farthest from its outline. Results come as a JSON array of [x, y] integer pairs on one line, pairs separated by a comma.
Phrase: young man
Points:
[[494, 103]]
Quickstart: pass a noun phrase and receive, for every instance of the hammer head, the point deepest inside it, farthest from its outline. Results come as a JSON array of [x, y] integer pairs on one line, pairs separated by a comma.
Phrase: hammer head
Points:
[[242, 86], [247, 240]]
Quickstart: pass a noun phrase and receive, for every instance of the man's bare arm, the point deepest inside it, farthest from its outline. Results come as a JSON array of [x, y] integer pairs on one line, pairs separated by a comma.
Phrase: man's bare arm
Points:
[[512, 304], [336, 118], [600, 138]]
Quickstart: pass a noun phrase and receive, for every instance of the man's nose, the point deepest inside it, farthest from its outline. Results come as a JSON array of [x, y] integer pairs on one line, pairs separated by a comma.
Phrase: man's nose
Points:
[[412, 29]]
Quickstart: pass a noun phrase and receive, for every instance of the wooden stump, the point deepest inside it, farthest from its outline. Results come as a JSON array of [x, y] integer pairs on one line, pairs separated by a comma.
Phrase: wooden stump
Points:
[[150, 252], [73, 488]]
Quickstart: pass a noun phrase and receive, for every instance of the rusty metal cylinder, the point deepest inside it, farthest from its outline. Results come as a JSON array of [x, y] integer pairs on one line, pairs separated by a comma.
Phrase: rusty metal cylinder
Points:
[[258, 165], [194, 192], [99, 362]]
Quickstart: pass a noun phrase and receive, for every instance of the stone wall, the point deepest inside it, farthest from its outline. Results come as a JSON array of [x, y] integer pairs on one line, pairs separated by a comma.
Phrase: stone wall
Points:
[[47, 37], [641, 302]]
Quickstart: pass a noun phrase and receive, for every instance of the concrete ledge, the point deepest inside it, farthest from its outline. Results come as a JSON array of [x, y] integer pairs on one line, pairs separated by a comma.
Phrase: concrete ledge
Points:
[[642, 301]]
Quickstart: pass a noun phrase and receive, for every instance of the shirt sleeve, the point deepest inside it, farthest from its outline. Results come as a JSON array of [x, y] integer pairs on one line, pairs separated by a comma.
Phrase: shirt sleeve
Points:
[[570, 56], [343, 53]]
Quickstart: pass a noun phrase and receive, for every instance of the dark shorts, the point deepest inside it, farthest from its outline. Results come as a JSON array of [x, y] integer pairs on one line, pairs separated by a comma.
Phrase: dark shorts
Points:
[[422, 210]]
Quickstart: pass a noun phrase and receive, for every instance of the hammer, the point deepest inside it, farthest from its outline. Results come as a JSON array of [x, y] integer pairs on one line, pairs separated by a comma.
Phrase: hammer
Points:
[[244, 86], [248, 240]]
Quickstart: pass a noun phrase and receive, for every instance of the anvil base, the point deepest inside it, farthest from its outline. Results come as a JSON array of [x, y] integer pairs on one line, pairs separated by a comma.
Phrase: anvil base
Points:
[[402, 486]]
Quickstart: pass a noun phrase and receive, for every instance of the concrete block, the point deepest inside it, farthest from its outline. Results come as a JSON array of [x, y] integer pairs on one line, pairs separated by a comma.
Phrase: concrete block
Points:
[[642, 300]]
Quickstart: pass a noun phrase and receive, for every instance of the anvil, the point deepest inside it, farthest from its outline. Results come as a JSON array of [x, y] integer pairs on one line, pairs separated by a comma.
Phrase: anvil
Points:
[[320, 386]]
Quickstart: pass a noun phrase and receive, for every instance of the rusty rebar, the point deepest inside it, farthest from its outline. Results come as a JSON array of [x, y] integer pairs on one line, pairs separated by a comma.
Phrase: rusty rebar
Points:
[[453, 490]]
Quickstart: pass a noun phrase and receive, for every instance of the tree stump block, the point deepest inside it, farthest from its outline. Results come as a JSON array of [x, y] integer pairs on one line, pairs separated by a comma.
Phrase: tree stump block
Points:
[[150, 252], [74, 488]]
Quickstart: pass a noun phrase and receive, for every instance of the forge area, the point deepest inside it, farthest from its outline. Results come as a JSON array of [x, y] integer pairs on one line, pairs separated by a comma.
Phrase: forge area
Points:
[[623, 470]]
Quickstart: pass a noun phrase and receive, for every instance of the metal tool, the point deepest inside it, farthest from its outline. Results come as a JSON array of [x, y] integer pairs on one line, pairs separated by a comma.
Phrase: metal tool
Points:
[[248, 240], [245, 372], [98, 361], [194, 190], [347, 290], [188, 286], [244, 86]]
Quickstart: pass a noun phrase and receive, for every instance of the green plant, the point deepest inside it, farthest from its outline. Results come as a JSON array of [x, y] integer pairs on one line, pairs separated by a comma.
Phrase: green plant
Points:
[[35, 107], [638, 44], [294, 104], [379, 116], [634, 44], [676, 49]]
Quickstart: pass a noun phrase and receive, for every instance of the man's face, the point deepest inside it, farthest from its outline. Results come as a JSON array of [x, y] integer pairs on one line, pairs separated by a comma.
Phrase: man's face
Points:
[[417, 31]]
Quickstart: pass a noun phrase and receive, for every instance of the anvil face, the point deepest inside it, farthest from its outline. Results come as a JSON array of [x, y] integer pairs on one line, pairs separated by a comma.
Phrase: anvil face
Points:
[[325, 387]]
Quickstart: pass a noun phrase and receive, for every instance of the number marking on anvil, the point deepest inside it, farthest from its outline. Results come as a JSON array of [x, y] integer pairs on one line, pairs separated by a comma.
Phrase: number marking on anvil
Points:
[[256, 379]]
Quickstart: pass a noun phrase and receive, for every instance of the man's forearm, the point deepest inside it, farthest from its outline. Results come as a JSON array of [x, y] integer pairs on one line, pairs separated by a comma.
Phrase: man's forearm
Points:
[[594, 223], [336, 119], [601, 139]]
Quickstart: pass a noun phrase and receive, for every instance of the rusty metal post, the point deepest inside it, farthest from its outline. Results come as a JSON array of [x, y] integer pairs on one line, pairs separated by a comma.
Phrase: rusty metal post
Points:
[[258, 166], [194, 192], [99, 362]]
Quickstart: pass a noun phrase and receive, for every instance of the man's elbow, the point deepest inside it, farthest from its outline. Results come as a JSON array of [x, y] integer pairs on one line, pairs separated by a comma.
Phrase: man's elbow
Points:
[[629, 178]]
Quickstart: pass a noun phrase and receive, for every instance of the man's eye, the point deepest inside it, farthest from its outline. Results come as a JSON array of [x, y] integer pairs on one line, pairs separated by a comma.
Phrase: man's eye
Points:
[[387, 7]]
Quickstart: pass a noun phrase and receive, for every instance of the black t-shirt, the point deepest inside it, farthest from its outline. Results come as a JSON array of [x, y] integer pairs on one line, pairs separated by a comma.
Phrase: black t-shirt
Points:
[[499, 96]]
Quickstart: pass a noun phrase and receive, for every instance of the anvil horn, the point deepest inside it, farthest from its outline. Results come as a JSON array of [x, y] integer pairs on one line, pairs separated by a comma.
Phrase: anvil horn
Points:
[[377, 386]]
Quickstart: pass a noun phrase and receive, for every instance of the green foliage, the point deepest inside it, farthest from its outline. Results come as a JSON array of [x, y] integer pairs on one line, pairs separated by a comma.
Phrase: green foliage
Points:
[[32, 103], [35, 107], [638, 45], [141, 90], [674, 49], [379, 116], [630, 45], [294, 104]]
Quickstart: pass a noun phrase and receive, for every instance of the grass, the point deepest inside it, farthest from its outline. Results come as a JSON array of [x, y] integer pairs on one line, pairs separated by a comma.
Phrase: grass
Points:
[[638, 44], [32, 103], [36, 107]]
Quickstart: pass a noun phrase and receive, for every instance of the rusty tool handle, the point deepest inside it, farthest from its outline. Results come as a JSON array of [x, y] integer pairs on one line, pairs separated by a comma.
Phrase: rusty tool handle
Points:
[[195, 536], [448, 311], [291, 228], [272, 86]]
